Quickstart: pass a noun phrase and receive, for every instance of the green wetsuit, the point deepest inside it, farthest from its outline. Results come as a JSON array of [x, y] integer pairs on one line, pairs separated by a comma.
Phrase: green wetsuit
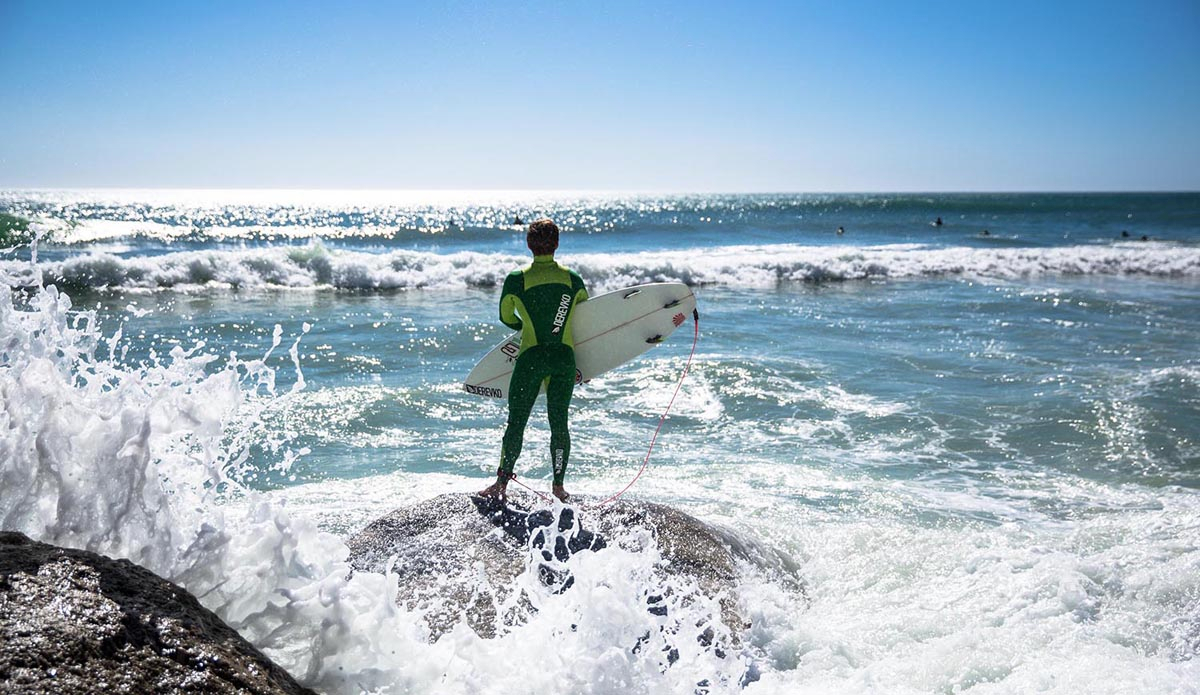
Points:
[[539, 301]]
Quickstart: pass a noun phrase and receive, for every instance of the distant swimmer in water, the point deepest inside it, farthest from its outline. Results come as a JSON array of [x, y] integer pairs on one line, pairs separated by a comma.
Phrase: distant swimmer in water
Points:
[[517, 220], [985, 233], [1125, 233], [937, 222], [1145, 238], [841, 231]]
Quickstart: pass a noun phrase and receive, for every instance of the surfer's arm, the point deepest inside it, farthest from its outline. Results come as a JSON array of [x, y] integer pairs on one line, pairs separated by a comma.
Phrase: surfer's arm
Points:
[[577, 286], [508, 303], [508, 312]]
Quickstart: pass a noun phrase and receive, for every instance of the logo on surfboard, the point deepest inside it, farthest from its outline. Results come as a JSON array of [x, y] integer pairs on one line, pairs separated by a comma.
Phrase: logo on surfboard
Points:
[[483, 391]]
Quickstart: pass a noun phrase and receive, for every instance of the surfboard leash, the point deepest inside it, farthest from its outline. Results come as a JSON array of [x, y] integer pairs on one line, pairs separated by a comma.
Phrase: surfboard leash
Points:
[[513, 478], [686, 368], [645, 461]]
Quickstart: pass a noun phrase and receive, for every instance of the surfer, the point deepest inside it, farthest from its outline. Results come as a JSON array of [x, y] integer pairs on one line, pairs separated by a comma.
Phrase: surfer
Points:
[[539, 301]]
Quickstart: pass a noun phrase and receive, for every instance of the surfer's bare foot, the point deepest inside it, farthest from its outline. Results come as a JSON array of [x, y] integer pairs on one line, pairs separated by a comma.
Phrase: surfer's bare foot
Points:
[[495, 490], [560, 493]]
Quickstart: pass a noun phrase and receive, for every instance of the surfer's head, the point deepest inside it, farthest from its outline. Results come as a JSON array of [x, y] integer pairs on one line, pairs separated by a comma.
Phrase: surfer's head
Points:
[[542, 237]]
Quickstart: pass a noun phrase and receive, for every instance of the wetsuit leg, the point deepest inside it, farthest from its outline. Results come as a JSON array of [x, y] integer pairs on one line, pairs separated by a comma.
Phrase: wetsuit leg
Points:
[[523, 389], [558, 399]]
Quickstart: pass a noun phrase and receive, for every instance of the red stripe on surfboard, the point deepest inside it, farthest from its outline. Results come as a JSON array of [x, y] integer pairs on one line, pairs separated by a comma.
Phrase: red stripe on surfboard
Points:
[[603, 333]]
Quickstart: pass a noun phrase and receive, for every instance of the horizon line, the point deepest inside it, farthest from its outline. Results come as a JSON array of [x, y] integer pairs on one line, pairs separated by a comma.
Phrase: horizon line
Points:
[[592, 191]]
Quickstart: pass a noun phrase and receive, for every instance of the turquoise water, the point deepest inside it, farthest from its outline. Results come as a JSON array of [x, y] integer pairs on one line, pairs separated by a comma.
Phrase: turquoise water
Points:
[[1095, 377], [984, 451]]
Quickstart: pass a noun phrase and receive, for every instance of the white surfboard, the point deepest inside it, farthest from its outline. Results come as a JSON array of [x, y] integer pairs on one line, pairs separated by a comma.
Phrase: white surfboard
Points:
[[610, 330]]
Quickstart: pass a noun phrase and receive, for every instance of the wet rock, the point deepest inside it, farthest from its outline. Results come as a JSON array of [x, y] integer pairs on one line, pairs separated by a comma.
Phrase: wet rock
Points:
[[72, 621], [456, 555]]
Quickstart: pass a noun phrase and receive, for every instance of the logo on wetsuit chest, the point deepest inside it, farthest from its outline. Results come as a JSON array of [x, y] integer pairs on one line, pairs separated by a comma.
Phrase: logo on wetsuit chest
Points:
[[561, 317]]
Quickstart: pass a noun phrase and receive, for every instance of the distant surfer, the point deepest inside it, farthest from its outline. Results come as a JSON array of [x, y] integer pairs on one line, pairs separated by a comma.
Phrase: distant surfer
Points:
[[841, 231], [937, 222], [985, 233], [1124, 233], [517, 220], [539, 301]]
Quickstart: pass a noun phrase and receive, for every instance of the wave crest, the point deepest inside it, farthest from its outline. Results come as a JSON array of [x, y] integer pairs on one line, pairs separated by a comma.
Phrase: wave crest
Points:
[[747, 266]]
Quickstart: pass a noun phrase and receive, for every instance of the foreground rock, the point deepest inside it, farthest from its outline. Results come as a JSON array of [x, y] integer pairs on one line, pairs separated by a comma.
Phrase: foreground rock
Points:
[[457, 555], [77, 622]]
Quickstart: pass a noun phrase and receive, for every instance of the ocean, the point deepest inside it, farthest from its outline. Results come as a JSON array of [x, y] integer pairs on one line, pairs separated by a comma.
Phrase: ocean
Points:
[[982, 449]]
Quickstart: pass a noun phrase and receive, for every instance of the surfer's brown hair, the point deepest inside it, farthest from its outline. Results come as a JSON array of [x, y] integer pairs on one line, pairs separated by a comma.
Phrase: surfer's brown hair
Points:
[[542, 237]]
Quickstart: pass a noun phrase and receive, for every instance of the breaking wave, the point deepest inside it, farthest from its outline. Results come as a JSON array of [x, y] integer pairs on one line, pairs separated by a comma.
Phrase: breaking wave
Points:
[[314, 265], [144, 462]]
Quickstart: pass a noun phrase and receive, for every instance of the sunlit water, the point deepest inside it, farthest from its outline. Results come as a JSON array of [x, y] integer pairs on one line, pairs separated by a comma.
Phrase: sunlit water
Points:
[[982, 450]]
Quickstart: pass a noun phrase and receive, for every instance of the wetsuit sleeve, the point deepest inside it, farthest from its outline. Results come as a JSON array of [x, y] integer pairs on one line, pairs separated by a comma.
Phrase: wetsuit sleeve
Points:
[[578, 287], [508, 301]]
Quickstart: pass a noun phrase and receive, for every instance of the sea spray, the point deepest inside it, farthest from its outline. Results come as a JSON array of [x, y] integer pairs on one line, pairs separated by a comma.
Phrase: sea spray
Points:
[[141, 463], [144, 462]]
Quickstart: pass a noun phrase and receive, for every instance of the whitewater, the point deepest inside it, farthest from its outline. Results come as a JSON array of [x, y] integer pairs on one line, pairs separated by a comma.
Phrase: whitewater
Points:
[[313, 265]]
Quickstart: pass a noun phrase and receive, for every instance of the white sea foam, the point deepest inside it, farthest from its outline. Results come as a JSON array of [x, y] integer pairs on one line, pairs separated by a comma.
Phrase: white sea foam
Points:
[[143, 462], [1032, 604], [140, 463], [744, 266]]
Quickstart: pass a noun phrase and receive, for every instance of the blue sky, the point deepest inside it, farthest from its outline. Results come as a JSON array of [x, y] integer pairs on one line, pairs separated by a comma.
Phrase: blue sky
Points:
[[690, 96]]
